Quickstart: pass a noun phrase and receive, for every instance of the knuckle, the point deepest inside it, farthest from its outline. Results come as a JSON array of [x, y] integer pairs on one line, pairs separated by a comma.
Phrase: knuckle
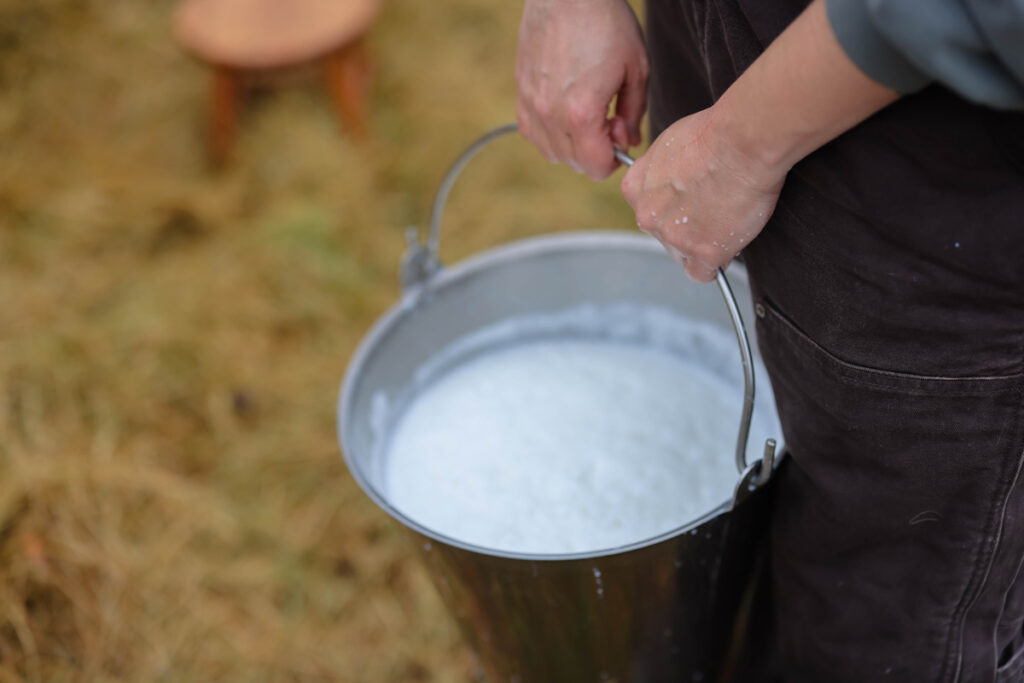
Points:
[[707, 254], [647, 223], [677, 255], [677, 248], [639, 68], [596, 161], [578, 113], [628, 187], [544, 106], [523, 120], [644, 67], [549, 154], [705, 274]]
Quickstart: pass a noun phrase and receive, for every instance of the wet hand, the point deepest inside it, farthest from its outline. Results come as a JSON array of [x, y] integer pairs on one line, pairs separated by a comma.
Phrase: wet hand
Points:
[[574, 57], [700, 196]]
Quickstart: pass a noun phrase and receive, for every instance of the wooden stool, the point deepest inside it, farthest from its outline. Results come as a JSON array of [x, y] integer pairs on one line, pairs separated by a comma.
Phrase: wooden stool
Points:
[[244, 40]]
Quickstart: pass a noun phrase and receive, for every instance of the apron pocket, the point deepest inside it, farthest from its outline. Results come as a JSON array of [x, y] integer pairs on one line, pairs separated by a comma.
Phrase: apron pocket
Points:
[[890, 512]]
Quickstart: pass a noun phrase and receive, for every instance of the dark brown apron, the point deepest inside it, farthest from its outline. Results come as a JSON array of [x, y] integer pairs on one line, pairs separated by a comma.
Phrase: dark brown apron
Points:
[[891, 278]]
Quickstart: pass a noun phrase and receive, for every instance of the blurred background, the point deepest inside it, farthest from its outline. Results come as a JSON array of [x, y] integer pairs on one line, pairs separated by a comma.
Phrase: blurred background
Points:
[[173, 332]]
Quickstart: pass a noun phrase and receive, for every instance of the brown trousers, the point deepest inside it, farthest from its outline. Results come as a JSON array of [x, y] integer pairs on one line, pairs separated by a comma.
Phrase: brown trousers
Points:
[[892, 282]]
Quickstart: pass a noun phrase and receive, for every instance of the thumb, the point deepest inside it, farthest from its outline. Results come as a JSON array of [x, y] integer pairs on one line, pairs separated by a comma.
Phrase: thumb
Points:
[[631, 103]]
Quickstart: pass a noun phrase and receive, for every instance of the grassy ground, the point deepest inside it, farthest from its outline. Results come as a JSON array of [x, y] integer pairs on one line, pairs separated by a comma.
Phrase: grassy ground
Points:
[[173, 505]]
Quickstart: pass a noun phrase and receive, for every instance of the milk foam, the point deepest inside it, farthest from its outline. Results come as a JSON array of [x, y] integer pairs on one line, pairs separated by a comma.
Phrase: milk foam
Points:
[[562, 444]]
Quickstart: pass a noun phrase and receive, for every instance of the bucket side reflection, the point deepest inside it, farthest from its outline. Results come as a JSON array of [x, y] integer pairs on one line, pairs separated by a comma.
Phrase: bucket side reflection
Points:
[[666, 612]]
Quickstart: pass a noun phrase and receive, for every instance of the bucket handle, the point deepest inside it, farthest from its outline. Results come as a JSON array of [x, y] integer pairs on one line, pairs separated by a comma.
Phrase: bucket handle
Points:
[[421, 263]]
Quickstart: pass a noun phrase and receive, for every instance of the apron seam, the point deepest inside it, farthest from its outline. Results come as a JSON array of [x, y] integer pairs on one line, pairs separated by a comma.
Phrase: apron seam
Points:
[[1006, 594], [984, 560]]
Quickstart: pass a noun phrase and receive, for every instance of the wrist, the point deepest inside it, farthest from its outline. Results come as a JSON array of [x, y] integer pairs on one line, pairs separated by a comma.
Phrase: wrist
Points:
[[802, 92], [748, 142]]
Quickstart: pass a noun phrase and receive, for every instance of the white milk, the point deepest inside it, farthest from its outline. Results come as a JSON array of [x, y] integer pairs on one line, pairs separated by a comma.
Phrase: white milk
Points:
[[567, 445]]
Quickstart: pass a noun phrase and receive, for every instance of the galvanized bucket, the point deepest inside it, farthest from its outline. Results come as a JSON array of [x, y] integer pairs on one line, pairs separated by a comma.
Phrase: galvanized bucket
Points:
[[666, 608]]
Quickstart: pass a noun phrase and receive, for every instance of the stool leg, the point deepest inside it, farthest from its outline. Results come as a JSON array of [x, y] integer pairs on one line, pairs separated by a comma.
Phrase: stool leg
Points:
[[347, 73], [225, 96]]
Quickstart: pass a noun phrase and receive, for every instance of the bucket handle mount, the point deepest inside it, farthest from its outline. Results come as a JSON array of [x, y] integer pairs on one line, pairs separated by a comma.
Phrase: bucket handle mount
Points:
[[421, 263]]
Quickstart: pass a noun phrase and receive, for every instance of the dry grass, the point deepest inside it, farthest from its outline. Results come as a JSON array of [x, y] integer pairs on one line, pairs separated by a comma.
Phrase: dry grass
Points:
[[173, 506]]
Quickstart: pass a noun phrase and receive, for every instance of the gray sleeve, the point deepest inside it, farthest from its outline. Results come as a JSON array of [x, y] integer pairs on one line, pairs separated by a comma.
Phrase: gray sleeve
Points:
[[974, 47]]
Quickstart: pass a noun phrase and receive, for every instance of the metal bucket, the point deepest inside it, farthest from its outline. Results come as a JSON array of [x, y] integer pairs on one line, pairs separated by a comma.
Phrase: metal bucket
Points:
[[666, 608]]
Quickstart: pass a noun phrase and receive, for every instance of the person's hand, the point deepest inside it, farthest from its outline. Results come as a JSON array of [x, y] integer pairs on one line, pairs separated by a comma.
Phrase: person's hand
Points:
[[699, 195], [574, 56], [709, 183]]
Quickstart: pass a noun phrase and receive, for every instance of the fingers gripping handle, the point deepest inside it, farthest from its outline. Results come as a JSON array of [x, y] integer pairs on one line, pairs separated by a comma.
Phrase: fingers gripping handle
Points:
[[421, 262], [623, 158]]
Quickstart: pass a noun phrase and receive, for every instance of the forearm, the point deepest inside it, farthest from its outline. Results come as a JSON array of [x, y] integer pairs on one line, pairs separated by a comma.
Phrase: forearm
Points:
[[709, 184], [802, 92]]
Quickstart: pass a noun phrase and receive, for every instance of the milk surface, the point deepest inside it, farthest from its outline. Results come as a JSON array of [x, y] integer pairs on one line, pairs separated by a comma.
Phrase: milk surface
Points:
[[567, 445]]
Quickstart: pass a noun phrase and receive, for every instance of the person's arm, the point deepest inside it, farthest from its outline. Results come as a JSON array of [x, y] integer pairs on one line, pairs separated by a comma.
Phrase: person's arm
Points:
[[574, 57], [709, 183]]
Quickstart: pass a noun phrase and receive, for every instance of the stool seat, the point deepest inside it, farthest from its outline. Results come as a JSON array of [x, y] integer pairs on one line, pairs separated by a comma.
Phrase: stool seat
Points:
[[269, 34], [245, 39]]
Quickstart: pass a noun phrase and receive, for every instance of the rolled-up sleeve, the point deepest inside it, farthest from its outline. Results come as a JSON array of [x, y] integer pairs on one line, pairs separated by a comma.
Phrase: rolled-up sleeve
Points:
[[974, 47]]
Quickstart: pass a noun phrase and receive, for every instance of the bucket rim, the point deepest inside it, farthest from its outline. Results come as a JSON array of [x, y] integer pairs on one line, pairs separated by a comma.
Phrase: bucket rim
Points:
[[449, 276]]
